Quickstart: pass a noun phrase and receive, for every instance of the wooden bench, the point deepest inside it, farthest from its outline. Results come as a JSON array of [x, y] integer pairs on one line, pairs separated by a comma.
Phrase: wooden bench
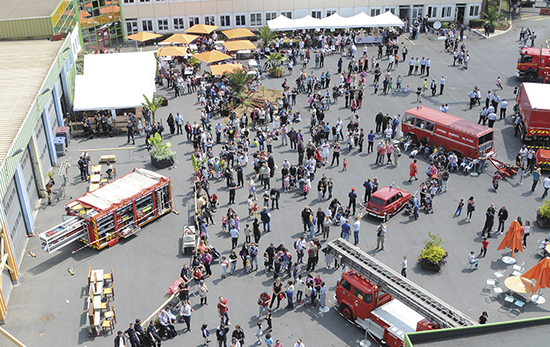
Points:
[[107, 158]]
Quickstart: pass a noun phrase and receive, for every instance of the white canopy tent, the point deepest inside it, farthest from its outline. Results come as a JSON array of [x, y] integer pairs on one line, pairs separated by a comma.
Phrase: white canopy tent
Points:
[[335, 21], [115, 81]]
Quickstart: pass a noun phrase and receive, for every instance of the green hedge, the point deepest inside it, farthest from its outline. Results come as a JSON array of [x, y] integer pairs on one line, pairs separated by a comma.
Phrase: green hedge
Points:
[[477, 23]]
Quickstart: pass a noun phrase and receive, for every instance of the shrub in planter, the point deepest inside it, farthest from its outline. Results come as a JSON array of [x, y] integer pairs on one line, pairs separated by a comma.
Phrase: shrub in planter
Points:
[[161, 154], [543, 215], [277, 71], [433, 255]]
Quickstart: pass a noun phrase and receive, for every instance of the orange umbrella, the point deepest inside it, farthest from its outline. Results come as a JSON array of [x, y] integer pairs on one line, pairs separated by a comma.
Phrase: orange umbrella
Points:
[[181, 38], [238, 45], [212, 56], [143, 36], [221, 69], [201, 29], [236, 33], [540, 273], [172, 51], [512, 239]]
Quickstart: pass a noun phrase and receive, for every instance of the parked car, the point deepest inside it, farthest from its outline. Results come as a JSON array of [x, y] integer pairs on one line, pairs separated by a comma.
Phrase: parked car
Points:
[[386, 202]]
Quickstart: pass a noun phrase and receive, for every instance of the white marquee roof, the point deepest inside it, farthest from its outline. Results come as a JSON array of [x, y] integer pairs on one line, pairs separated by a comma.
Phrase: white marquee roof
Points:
[[335, 21]]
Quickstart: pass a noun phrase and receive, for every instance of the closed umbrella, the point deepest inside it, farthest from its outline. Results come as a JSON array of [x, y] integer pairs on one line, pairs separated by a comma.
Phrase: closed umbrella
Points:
[[512, 239], [541, 274], [212, 56]]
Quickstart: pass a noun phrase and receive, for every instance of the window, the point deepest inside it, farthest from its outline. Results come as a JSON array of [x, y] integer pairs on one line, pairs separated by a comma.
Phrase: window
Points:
[[240, 20], [225, 20], [147, 25], [345, 284], [287, 14], [193, 21], [270, 15], [409, 119], [209, 20], [390, 8], [316, 14], [474, 10], [179, 23], [432, 11], [128, 2], [418, 10], [163, 24], [430, 126], [526, 59], [131, 26], [375, 11], [255, 19], [330, 12], [420, 123], [358, 293], [446, 11], [144, 1]]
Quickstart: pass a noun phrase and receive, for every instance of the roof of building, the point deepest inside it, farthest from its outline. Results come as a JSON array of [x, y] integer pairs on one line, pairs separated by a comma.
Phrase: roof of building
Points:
[[23, 67], [505, 334], [27, 8]]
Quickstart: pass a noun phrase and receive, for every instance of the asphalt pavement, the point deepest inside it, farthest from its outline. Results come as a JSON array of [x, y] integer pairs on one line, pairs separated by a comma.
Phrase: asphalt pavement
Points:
[[47, 307]]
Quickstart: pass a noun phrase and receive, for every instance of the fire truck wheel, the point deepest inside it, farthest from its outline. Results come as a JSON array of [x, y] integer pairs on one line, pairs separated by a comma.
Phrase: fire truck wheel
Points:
[[531, 77], [346, 312]]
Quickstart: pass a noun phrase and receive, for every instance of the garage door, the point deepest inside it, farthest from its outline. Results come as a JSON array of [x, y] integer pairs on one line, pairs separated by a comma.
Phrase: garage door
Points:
[[42, 144], [29, 178], [14, 219], [52, 116]]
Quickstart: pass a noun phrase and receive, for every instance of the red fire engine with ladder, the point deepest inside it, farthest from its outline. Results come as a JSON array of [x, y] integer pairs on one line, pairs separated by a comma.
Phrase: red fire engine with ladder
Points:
[[387, 305]]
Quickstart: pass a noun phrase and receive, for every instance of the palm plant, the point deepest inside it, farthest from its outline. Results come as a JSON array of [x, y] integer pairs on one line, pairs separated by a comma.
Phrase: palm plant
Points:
[[153, 104], [266, 35], [491, 14], [237, 80], [275, 59]]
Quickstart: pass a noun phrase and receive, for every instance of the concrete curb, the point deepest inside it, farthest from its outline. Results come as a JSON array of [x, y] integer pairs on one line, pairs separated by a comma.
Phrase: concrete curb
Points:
[[495, 35]]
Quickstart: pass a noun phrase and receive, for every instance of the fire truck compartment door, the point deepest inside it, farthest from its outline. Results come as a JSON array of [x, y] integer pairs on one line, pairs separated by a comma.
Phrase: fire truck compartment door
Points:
[[373, 328]]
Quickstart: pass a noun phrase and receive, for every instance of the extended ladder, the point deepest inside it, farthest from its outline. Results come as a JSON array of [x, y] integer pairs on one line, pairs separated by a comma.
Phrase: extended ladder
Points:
[[401, 288], [64, 234]]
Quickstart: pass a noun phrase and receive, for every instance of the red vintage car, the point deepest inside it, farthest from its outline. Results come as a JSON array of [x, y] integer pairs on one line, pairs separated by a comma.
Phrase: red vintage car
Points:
[[386, 202]]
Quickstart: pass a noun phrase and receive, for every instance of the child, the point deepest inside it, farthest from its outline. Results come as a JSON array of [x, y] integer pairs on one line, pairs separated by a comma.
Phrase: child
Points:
[[266, 262], [247, 233], [268, 340], [268, 319], [345, 162], [248, 267], [499, 83], [205, 334], [255, 211], [259, 332], [225, 265], [278, 344], [484, 245], [521, 173], [376, 88], [295, 271], [224, 224], [299, 289]]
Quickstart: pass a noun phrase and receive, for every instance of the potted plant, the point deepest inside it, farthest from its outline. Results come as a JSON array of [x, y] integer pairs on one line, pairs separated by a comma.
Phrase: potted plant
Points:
[[433, 256], [162, 155], [543, 215]]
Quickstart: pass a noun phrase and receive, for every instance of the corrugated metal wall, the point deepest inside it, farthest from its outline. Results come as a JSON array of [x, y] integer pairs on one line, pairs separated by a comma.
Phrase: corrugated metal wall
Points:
[[28, 27]]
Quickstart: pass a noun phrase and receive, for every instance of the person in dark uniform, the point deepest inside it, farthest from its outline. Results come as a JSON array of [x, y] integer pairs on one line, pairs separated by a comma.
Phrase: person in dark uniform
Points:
[[130, 131], [232, 186], [82, 167], [152, 333], [130, 333], [352, 199]]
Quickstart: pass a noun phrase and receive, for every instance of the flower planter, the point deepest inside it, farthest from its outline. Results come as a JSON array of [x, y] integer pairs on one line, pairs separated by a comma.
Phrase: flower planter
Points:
[[164, 163], [543, 222], [430, 266]]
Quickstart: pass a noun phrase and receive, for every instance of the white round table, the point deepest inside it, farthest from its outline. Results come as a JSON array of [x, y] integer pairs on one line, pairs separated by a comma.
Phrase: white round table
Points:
[[538, 299], [508, 260]]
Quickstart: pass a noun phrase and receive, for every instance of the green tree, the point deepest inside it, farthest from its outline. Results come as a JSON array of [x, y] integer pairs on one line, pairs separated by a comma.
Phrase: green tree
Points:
[[491, 14], [266, 35], [153, 104], [275, 59], [237, 80]]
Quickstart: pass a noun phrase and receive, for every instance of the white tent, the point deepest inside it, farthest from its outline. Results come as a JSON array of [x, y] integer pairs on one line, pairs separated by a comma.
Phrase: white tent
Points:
[[335, 21], [307, 22], [281, 23], [388, 19], [115, 81], [361, 20]]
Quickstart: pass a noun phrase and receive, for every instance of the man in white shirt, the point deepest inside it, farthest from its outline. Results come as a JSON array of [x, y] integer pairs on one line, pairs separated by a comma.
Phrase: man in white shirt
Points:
[[473, 260], [503, 106], [299, 343], [179, 123], [546, 186], [356, 227]]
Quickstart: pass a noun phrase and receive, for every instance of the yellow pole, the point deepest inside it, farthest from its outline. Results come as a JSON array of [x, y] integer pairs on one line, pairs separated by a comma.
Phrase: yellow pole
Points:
[[12, 338]]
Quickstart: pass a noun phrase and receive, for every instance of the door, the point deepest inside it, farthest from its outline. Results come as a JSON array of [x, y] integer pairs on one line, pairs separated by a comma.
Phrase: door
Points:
[[459, 13], [42, 144], [103, 37], [52, 115], [29, 178], [404, 12], [14, 219]]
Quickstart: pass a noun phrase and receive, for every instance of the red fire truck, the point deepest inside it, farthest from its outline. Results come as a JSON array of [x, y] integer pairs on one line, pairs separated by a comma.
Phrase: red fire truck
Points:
[[434, 128], [533, 106], [378, 299], [533, 63]]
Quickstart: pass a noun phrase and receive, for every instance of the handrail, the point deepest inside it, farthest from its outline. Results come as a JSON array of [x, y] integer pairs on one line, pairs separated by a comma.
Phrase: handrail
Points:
[[144, 323]]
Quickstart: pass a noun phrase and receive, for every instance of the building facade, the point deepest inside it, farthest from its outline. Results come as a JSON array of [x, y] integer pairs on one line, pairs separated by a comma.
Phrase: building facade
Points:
[[101, 23], [172, 16]]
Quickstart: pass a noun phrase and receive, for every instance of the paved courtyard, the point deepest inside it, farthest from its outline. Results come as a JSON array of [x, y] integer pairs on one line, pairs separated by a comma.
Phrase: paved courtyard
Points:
[[48, 308]]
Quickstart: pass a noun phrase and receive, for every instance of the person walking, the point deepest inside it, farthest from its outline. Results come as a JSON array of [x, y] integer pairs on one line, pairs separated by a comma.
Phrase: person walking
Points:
[[470, 208], [536, 178], [502, 217], [404, 266], [484, 246], [263, 303], [380, 236], [546, 185], [223, 310], [413, 171]]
